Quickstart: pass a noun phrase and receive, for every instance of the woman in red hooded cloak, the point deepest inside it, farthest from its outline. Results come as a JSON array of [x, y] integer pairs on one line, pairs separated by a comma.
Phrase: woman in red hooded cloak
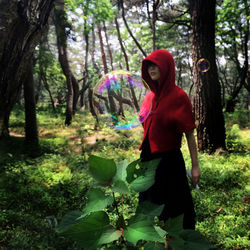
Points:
[[170, 117]]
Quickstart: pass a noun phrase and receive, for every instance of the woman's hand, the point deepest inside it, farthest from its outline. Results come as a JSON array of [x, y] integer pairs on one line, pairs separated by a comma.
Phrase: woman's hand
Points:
[[195, 171], [194, 158]]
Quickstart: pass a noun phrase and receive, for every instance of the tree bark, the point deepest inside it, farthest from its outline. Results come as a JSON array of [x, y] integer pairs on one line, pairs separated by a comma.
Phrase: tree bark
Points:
[[72, 84], [105, 67], [23, 23], [155, 4], [207, 92], [108, 46], [135, 101], [31, 133], [85, 83]]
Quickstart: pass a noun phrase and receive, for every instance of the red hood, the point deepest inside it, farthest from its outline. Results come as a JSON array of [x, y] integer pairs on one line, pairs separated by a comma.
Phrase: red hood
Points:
[[164, 60]]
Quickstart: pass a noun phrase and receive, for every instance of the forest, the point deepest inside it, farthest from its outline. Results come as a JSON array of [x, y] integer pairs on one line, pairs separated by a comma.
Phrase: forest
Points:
[[70, 173]]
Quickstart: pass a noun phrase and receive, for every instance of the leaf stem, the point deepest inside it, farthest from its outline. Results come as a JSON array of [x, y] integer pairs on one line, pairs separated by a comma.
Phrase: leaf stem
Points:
[[115, 203]]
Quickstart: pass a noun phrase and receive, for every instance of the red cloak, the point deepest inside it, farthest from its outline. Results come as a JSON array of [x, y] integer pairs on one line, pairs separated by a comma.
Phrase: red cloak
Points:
[[171, 113]]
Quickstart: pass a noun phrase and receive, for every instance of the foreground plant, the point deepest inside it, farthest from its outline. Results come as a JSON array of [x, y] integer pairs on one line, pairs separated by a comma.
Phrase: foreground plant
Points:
[[91, 228]]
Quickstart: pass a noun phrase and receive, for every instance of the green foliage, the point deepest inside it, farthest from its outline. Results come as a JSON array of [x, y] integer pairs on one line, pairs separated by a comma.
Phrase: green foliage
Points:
[[48, 70], [102, 170], [94, 11], [140, 228], [240, 117], [90, 231], [140, 175], [36, 191], [233, 140], [92, 228]]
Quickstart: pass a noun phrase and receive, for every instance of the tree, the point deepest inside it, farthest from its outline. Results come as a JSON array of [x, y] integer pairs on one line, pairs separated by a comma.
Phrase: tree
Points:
[[233, 36], [207, 92], [129, 30], [23, 23], [72, 84], [45, 61]]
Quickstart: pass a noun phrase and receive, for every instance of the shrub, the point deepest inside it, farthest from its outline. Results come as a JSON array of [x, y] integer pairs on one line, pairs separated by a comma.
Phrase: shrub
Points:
[[233, 139], [93, 228], [240, 117]]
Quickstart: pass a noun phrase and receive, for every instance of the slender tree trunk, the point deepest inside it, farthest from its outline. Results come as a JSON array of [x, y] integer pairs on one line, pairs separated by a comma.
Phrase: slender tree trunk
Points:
[[105, 67], [155, 5], [23, 23], [104, 59], [93, 54], [46, 85], [91, 107], [135, 101], [108, 46], [72, 85], [129, 31], [90, 92], [39, 89], [43, 78], [31, 133], [207, 92], [85, 84]]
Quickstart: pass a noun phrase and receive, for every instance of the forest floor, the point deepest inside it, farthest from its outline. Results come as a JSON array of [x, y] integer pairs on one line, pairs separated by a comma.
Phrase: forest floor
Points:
[[38, 188]]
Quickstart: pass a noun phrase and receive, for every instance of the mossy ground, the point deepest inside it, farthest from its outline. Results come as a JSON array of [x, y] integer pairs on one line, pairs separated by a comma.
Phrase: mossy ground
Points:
[[39, 185]]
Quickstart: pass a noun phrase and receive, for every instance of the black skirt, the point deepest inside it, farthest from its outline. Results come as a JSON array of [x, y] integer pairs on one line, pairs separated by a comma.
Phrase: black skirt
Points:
[[171, 186]]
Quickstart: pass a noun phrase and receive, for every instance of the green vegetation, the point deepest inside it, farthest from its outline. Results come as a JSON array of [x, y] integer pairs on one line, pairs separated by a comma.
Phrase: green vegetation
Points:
[[102, 221], [38, 187]]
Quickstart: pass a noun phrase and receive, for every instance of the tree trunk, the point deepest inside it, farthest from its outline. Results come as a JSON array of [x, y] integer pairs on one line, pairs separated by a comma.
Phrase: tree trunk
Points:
[[207, 92], [90, 92], [155, 4], [108, 46], [242, 71], [23, 23], [85, 83], [46, 85], [129, 31], [126, 61], [31, 133], [93, 54], [72, 85], [121, 43], [105, 67]]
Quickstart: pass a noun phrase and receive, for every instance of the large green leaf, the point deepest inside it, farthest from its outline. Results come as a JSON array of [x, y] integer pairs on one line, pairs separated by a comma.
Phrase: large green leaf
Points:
[[174, 226], [120, 187], [121, 172], [154, 246], [141, 228], [70, 219], [160, 231], [177, 243], [103, 170], [93, 231], [149, 209], [195, 241], [141, 176], [131, 169], [97, 200]]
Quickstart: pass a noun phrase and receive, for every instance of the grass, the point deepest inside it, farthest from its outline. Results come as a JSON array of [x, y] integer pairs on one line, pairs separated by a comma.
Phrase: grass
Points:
[[37, 189]]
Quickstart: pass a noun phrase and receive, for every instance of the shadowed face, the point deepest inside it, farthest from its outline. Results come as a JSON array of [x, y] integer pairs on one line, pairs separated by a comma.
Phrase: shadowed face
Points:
[[154, 71]]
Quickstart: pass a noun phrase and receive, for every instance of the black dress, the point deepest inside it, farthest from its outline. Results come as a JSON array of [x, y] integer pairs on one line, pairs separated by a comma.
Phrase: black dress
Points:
[[171, 185]]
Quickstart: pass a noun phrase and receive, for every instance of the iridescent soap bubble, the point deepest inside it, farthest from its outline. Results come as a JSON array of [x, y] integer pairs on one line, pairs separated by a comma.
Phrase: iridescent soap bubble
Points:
[[203, 65], [117, 99]]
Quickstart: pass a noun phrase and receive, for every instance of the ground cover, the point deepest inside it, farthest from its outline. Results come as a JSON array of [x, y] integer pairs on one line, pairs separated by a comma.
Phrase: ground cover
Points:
[[38, 188]]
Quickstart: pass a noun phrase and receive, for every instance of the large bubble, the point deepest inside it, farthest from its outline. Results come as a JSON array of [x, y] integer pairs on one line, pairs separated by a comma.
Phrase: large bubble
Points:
[[203, 65], [117, 99]]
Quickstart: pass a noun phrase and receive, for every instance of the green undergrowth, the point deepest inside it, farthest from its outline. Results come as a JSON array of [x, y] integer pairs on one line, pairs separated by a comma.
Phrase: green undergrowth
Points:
[[38, 186]]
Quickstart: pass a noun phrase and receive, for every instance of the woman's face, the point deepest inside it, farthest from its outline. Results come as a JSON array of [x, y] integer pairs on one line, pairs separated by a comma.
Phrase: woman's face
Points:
[[154, 72]]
